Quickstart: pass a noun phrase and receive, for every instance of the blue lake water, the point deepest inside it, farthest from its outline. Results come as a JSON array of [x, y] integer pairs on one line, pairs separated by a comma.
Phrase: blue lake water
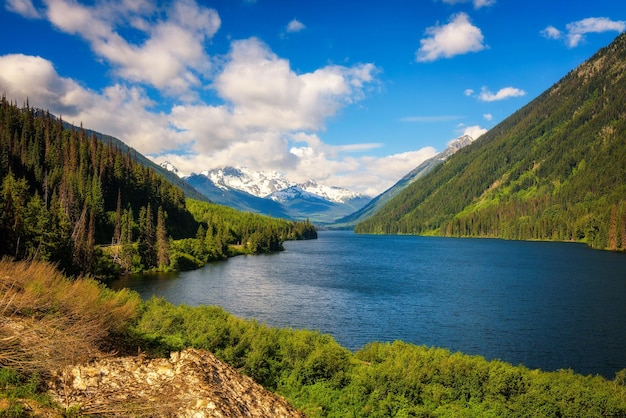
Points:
[[545, 305]]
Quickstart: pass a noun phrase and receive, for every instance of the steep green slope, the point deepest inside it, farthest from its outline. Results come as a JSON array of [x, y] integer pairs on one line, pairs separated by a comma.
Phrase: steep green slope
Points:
[[421, 170], [555, 169]]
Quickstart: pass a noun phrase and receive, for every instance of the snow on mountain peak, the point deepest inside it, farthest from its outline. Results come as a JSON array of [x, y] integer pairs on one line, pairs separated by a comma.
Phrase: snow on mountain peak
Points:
[[170, 167], [266, 183], [257, 183]]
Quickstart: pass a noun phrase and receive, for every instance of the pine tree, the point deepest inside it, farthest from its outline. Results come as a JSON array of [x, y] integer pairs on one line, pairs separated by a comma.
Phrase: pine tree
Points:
[[161, 240], [147, 238]]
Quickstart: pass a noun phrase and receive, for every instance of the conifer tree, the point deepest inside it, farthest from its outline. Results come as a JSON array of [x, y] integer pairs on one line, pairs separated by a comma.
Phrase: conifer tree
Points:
[[161, 240]]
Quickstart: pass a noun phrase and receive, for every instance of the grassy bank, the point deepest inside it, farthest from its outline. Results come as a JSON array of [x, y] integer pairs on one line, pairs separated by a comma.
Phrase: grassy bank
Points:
[[49, 321]]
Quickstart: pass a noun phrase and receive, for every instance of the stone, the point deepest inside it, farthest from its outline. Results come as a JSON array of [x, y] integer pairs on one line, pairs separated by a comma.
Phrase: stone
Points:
[[190, 383]]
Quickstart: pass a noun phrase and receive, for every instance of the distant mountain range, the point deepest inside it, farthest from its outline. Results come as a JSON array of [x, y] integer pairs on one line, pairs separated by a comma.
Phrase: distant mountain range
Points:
[[379, 201], [271, 193]]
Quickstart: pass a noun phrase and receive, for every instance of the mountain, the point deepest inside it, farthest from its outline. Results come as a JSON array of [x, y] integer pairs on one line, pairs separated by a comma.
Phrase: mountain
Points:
[[234, 198], [553, 170], [425, 167], [92, 205], [169, 175], [271, 193]]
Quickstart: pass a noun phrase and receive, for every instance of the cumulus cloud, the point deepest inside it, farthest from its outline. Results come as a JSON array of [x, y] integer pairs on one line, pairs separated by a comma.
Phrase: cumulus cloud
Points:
[[457, 37], [504, 93], [551, 32], [576, 31], [24, 8], [24, 76], [474, 131], [477, 3], [267, 94], [468, 92], [263, 114], [172, 58], [119, 111], [295, 26], [488, 116], [366, 174]]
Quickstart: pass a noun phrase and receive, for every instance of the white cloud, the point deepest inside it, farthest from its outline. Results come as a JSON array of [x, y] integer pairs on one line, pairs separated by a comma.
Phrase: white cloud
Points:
[[267, 94], [504, 93], [488, 116], [295, 26], [23, 7], [119, 111], [483, 3], [23, 76], [172, 58], [551, 32], [366, 174], [474, 131], [477, 3], [576, 31], [468, 92], [455, 38]]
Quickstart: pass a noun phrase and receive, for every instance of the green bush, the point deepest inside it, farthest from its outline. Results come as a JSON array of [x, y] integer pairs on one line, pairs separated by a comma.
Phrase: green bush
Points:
[[324, 379]]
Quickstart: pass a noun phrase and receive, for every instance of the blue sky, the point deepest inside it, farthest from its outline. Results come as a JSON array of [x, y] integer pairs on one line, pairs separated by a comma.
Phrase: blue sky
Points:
[[349, 93]]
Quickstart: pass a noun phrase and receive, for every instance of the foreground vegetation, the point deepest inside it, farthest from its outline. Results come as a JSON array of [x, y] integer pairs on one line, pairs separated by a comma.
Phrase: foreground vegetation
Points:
[[49, 321]]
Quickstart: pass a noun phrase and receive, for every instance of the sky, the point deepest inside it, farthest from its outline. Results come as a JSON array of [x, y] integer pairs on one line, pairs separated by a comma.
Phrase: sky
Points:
[[352, 94]]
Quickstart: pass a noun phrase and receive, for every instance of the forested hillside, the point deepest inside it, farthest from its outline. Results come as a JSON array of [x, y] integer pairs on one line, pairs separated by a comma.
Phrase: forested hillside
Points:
[[554, 170], [90, 207]]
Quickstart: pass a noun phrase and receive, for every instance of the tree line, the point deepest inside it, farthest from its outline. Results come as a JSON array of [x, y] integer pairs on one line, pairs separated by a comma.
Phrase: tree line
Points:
[[90, 207]]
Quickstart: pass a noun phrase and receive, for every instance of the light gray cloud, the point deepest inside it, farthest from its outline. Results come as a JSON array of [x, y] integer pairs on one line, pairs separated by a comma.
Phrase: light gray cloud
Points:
[[477, 3], [24, 8], [457, 37], [295, 26]]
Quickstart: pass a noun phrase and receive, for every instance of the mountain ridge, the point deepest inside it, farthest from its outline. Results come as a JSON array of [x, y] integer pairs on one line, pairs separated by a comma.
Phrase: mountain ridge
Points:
[[553, 170], [379, 201], [271, 193]]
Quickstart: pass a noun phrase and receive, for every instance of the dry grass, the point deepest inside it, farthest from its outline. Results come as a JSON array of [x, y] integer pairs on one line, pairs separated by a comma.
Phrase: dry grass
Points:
[[48, 321]]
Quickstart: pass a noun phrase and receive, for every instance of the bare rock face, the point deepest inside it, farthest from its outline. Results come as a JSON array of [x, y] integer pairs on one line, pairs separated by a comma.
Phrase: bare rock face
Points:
[[191, 383]]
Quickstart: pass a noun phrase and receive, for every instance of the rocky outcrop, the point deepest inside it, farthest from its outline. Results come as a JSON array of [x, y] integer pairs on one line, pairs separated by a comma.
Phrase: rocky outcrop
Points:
[[191, 383]]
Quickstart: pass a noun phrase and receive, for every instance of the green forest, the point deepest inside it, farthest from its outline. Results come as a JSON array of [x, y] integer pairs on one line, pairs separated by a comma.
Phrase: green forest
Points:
[[554, 170], [311, 370], [90, 207]]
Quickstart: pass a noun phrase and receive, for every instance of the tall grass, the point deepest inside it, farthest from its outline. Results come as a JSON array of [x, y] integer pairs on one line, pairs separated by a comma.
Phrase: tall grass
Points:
[[48, 321]]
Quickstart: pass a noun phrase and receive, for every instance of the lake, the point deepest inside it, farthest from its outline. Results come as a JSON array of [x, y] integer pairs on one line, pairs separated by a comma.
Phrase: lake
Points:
[[542, 304]]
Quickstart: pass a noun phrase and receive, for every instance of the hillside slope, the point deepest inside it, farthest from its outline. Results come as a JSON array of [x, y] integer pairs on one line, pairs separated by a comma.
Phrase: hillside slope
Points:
[[421, 170], [87, 203], [555, 169]]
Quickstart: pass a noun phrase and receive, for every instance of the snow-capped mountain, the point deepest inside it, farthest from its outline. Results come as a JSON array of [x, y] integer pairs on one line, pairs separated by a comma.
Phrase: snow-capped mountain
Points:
[[332, 193], [271, 193], [257, 183], [170, 167]]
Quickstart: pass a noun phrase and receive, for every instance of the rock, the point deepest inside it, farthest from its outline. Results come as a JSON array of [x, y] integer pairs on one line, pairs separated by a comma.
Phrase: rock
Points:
[[191, 383]]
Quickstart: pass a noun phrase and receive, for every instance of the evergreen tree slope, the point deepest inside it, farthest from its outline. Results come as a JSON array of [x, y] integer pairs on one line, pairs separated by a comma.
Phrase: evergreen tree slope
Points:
[[554, 170], [88, 204]]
